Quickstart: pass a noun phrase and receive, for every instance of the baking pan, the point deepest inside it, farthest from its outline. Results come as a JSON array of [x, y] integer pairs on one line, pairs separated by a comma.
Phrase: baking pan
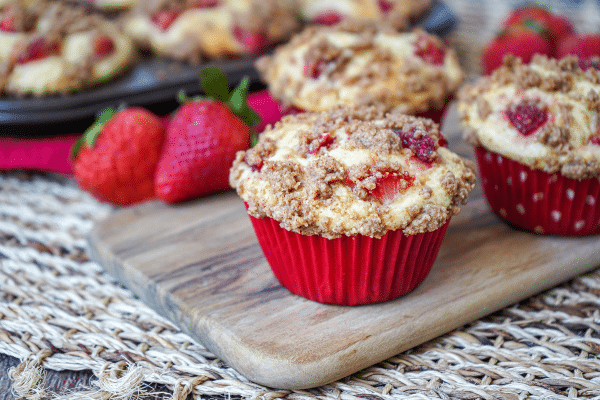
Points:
[[153, 83]]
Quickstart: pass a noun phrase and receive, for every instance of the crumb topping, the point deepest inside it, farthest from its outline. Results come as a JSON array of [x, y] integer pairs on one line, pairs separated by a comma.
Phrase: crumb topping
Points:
[[543, 114], [74, 46], [349, 171], [357, 63], [193, 30]]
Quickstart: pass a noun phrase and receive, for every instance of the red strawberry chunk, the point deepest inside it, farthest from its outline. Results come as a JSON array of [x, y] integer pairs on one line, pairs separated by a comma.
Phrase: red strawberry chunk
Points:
[[315, 68], [329, 18], [206, 3], [385, 6], [36, 50], [165, 19], [391, 186], [526, 117], [590, 62], [419, 143], [103, 46], [253, 41], [442, 141], [8, 24], [429, 51], [256, 167], [325, 140], [595, 139]]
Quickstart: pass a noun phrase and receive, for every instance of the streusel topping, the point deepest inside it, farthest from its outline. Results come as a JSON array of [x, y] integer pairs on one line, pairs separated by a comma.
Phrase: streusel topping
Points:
[[360, 64], [545, 114], [353, 171]]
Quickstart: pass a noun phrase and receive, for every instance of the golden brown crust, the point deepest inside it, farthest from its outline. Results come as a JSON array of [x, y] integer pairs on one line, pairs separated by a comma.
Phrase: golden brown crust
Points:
[[218, 31], [397, 13], [323, 173], [566, 141], [357, 64], [69, 31]]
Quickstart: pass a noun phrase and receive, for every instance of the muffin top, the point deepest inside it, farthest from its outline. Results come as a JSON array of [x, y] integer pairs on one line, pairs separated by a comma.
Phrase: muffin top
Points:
[[398, 13], [544, 115], [359, 63], [353, 171]]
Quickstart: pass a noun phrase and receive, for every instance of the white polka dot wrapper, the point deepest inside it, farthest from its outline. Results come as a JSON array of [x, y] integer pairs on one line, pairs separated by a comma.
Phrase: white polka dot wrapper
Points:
[[538, 201]]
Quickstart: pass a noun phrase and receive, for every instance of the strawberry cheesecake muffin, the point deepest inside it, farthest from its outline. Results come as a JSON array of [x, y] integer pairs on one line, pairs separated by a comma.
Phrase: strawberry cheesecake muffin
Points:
[[52, 47], [536, 132], [109, 5], [360, 64], [195, 29], [350, 205], [398, 13]]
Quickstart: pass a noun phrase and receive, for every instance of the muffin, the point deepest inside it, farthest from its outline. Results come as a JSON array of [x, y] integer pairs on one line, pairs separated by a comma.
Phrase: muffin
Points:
[[350, 205], [53, 48], [193, 30], [535, 128], [109, 6], [356, 64], [398, 13]]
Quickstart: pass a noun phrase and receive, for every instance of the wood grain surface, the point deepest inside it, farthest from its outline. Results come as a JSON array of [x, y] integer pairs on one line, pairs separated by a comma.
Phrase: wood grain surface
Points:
[[199, 264]]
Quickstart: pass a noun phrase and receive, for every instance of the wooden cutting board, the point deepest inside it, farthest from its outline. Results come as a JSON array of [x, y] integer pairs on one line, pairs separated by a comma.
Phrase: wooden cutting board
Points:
[[199, 265]]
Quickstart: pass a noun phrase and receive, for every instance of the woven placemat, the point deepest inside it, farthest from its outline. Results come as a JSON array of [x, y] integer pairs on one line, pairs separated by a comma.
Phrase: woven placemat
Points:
[[60, 311]]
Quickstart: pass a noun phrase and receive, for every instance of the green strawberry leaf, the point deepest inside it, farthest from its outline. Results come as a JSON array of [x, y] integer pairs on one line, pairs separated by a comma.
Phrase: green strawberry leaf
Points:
[[91, 134], [253, 139], [240, 107], [214, 83], [183, 98], [536, 27]]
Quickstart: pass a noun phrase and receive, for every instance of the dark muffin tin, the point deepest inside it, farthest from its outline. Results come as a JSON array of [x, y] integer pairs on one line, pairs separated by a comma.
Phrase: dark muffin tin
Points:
[[153, 83]]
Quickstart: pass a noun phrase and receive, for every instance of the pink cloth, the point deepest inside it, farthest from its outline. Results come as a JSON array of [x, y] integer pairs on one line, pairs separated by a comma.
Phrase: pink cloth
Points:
[[51, 154]]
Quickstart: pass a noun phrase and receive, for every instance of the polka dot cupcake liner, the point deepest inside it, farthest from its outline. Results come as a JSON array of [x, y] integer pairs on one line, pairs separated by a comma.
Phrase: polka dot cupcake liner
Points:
[[537, 201], [350, 270]]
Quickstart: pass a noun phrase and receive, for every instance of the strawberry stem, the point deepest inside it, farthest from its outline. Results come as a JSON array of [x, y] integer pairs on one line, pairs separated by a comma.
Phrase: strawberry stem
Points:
[[215, 83], [91, 134]]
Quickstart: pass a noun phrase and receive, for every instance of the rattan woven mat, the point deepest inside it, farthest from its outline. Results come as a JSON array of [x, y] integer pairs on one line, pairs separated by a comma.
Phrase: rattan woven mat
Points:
[[59, 311]]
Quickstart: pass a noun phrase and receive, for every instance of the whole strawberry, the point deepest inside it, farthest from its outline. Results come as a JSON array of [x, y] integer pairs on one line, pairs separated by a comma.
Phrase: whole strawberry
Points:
[[585, 46], [551, 26], [202, 139], [520, 42], [115, 158]]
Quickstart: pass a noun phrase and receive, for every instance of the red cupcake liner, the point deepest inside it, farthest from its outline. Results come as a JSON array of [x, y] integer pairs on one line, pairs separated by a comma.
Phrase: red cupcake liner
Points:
[[349, 270], [537, 201]]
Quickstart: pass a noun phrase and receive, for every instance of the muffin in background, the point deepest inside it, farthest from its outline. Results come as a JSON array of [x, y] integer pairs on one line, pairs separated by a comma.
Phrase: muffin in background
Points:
[[193, 30], [535, 128], [350, 206], [51, 47], [356, 64], [398, 13]]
